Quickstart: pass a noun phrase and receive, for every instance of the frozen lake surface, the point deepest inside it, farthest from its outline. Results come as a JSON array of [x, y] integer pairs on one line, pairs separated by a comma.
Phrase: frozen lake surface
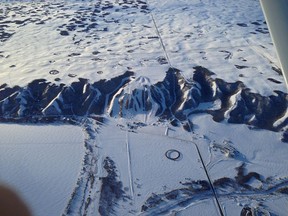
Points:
[[42, 163]]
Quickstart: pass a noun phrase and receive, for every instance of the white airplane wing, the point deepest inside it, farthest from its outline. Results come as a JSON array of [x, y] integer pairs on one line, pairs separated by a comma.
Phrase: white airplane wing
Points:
[[276, 15]]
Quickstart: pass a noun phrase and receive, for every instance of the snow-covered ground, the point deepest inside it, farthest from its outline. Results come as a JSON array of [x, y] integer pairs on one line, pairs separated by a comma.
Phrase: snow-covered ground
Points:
[[229, 37], [219, 34], [144, 167], [42, 163], [155, 184], [155, 86]]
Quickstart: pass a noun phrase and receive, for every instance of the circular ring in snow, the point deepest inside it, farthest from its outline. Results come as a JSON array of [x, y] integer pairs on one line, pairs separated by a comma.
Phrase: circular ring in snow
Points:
[[53, 72], [173, 154]]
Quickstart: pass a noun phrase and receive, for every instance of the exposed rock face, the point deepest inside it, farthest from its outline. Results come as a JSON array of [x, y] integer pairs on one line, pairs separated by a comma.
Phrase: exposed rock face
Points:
[[174, 98]]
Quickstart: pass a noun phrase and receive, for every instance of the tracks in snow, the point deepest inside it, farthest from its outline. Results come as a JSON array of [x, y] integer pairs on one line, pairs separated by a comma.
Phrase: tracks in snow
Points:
[[129, 165]]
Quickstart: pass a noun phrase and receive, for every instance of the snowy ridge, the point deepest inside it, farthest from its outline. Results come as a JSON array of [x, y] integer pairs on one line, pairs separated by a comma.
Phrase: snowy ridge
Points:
[[174, 98]]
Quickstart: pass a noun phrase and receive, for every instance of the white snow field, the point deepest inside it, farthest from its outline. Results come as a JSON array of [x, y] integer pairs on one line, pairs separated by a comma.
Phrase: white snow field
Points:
[[220, 34], [42, 163], [177, 107], [144, 168]]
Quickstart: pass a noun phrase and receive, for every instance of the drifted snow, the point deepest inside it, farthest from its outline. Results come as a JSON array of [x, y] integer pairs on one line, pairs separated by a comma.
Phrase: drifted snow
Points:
[[42, 163]]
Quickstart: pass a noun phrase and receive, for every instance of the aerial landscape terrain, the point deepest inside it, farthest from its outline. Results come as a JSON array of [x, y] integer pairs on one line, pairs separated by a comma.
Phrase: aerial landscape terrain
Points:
[[142, 107]]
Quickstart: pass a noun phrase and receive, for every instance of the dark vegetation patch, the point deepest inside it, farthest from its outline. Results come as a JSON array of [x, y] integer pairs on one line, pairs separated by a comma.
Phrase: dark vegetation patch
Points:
[[86, 19], [277, 70], [74, 54], [229, 54], [241, 66], [188, 126], [64, 33], [179, 197], [192, 191], [262, 30], [274, 80], [285, 135], [242, 24], [111, 189], [246, 211], [162, 60], [241, 182], [283, 190], [95, 52], [243, 179], [256, 23]]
